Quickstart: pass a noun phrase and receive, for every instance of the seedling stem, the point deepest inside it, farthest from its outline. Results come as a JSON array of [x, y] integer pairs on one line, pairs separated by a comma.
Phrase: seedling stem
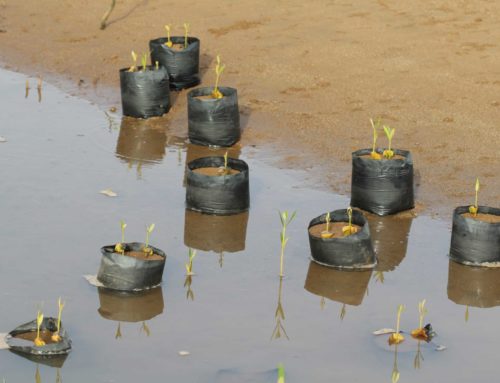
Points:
[[169, 42], [149, 230], [186, 30], [349, 229], [389, 132], [39, 320], [189, 265], [473, 209], [219, 68], [134, 60], [56, 337], [285, 221], [375, 126]]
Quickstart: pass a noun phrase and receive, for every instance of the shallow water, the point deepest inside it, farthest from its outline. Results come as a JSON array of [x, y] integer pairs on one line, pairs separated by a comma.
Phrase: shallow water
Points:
[[61, 152]]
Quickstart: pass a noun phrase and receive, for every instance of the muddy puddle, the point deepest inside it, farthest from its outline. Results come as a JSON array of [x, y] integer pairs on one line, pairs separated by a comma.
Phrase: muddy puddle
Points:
[[62, 151]]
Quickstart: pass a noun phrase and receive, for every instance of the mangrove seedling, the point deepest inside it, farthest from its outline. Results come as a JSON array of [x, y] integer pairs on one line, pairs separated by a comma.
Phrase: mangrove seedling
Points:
[[186, 31], [397, 337], [144, 61], [219, 68], [349, 229], [224, 170], [285, 221], [419, 357], [39, 319], [189, 265], [375, 125], [120, 247], [281, 373], [145, 328], [473, 208], [118, 334], [389, 132], [149, 229], [327, 233], [56, 337], [279, 315], [134, 60], [420, 332], [169, 42]]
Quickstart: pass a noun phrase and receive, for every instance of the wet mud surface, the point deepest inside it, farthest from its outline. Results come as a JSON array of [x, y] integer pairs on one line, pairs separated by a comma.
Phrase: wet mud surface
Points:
[[235, 317], [309, 76]]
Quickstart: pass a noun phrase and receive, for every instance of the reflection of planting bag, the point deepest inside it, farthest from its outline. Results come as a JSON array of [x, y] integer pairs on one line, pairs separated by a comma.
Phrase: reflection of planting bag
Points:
[[473, 286], [28, 348], [382, 186], [347, 287], [145, 94], [353, 251], [127, 273], [225, 194], [472, 241], [213, 121], [389, 238], [130, 307], [221, 234], [183, 66]]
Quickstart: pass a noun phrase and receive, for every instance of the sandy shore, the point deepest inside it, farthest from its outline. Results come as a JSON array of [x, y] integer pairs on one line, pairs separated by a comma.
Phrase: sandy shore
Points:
[[309, 75]]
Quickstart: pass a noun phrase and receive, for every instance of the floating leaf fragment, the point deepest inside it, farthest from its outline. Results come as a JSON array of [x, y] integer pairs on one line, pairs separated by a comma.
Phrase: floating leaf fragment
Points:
[[3, 139], [384, 331], [440, 347], [108, 192], [184, 353]]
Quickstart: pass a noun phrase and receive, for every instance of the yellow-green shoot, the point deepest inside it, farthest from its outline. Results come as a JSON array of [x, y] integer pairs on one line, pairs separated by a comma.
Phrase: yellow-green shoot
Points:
[[375, 126], [56, 336], [134, 62], [473, 208], [326, 233], [285, 221], [189, 265], [389, 132], [281, 374], [39, 320], [157, 65], [186, 31], [144, 61], [422, 311], [396, 337], [169, 41], [225, 169], [349, 229], [119, 247], [219, 68], [149, 230]]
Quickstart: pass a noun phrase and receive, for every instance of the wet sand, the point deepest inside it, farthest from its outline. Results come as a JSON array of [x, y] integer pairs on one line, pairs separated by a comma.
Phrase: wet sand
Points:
[[309, 76]]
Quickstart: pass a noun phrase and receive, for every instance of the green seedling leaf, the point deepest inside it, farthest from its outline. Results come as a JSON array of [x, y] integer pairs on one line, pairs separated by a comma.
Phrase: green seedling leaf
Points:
[[186, 31], [281, 373], [144, 61], [169, 42]]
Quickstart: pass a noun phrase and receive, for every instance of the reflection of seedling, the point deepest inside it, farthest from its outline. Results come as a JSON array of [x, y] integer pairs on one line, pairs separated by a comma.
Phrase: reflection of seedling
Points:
[[279, 315], [285, 221], [379, 276], [146, 329], [281, 374], [327, 233], [349, 229], [119, 247], [56, 337], [27, 88], [219, 68], [466, 313], [134, 60], [375, 126], [186, 31], [343, 311], [397, 337], [39, 319], [420, 332], [418, 357], [389, 132], [118, 333], [187, 283], [189, 265], [395, 372], [149, 229], [169, 42], [473, 208]]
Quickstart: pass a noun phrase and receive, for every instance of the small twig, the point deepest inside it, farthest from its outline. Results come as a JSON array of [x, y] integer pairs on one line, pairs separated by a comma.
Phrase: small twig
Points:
[[106, 15]]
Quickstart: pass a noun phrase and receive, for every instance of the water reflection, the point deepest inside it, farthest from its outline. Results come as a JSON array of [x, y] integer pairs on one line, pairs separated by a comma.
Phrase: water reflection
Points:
[[144, 141], [187, 284], [220, 234], [395, 375], [279, 317], [390, 240], [473, 286], [346, 287], [130, 307]]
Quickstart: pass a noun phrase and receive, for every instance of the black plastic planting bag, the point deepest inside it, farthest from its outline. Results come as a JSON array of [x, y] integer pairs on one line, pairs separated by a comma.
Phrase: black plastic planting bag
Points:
[[382, 186], [225, 194], [183, 66], [342, 286], [122, 272], [353, 251], [473, 286], [475, 242], [213, 121], [28, 348], [145, 94], [130, 307], [217, 233]]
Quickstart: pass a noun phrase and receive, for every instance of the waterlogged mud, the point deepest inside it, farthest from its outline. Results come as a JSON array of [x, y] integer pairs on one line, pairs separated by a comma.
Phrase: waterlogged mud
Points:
[[234, 316]]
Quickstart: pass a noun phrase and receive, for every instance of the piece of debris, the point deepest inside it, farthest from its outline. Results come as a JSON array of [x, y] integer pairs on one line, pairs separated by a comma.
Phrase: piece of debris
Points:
[[184, 353], [3, 139], [384, 331], [108, 192]]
